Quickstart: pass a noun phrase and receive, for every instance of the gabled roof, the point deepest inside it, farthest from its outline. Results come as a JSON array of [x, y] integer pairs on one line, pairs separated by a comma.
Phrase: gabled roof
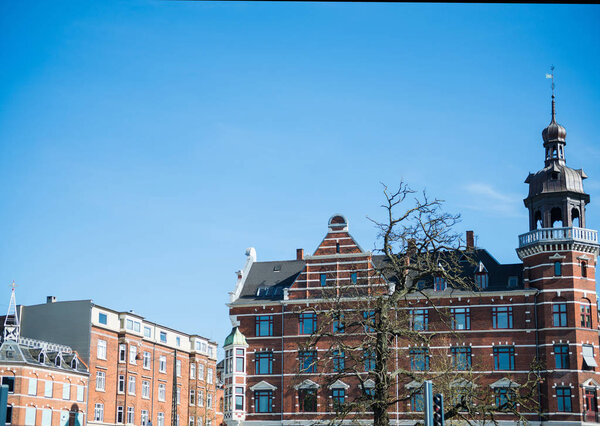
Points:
[[274, 276], [263, 385], [307, 384], [12, 352], [504, 383]]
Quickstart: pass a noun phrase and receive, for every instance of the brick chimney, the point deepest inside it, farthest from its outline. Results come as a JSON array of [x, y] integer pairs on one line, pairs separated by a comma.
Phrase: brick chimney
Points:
[[470, 240], [299, 254]]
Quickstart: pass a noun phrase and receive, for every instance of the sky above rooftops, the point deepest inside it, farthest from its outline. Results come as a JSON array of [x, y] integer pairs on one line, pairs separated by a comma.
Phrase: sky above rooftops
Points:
[[144, 145]]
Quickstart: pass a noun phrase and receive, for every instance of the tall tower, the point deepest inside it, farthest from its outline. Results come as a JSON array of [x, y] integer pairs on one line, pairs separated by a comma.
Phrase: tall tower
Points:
[[12, 328], [559, 259]]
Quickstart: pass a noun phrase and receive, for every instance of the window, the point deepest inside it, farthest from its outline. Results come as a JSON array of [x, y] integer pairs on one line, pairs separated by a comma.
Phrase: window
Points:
[[130, 415], [561, 356], [162, 391], [338, 396], [144, 418], [239, 398], [201, 371], [209, 399], [192, 396], [563, 399], [353, 277], [504, 358], [209, 375], [461, 357], [482, 279], [102, 318], [163, 337], [120, 414], [79, 393], [121, 384], [369, 359], [461, 318], [559, 314], [29, 416], [369, 319], [193, 370], [557, 269], [419, 359], [419, 319], [147, 360], [67, 390], [178, 367], [160, 419], [263, 400], [439, 283], [504, 397], [263, 362], [10, 382], [339, 361], [178, 341], [587, 351], [132, 354], [502, 317], [337, 247], [9, 414], [264, 325], [32, 386], [585, 307], [178, 395], [421, 284], [147, 332], [48, 389], [122, 352], [584, 269], [307, 398], [200, 398], [99, 412], [338, 323], [417, 402], [307, 361], [239, 360], [307, 323], [131, 387], [323, 279], [101, 349], [100, 380], [145, 389], [228, 361], [191, 423], [162, 364], [513, 282]]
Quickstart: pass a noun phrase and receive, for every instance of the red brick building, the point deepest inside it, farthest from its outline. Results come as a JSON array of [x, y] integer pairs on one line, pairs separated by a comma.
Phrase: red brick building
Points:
[[139, 371], [545, 307]]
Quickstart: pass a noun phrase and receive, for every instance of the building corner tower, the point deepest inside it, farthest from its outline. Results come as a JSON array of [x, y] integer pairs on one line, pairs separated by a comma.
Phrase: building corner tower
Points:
[[559, 258]]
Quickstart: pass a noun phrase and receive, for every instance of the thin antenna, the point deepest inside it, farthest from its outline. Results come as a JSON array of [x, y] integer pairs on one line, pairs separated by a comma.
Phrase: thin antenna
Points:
[[552, 74]]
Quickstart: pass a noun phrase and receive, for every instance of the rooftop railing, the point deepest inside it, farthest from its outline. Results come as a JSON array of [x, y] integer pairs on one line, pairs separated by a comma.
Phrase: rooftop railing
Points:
[[52, 347], [553, 235]]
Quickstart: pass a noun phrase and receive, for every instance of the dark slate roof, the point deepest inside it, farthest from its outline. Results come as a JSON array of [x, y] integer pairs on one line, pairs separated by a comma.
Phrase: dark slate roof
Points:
[[273, 277], [13, 352]]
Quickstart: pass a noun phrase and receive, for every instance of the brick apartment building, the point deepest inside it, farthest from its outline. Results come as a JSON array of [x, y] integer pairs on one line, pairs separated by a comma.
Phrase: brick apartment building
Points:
[[47, 383], [545, 307], [139, 371]]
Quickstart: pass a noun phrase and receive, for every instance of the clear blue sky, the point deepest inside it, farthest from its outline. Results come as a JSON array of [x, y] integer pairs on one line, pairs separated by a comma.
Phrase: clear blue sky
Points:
[[144, 145]]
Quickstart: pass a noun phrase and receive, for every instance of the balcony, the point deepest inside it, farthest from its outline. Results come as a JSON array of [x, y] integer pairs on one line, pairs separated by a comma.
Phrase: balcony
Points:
[[559, 235]]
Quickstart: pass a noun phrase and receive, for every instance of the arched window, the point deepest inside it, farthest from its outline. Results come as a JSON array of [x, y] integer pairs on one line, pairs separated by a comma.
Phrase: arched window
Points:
[[537, 218], [57, 360], [74, 363], [556, 217], [559, 313], [585, 307], [41, 358], [575, 218]]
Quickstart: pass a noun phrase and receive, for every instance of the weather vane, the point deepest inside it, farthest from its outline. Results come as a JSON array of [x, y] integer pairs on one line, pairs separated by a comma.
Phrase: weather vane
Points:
[[551, 76]]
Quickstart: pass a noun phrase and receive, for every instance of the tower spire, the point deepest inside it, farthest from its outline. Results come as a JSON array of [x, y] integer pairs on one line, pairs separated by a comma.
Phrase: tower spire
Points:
[[12, 328]]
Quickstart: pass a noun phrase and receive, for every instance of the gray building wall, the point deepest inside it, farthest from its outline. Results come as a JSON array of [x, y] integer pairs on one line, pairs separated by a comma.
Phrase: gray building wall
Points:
[[67, 323]]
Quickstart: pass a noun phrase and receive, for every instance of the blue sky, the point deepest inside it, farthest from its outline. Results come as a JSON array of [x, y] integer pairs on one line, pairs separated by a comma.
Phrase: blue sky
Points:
[[144, 145]]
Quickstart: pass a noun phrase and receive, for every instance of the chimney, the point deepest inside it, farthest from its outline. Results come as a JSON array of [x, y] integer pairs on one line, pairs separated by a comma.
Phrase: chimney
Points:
[[470, 240], [300, 254], [50, 299]]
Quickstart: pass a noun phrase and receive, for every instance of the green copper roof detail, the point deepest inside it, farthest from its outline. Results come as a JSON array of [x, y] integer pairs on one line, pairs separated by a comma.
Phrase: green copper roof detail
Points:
[[235, 338]]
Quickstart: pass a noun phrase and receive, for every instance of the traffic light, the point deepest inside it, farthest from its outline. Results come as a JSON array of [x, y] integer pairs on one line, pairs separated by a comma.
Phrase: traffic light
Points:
[[438, 410]]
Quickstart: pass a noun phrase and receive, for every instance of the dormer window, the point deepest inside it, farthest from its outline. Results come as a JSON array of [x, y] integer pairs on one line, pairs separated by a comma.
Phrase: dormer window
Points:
[[554, 176], [74, 364], [439, 283], [57, 360], [277, 268], [41, 358], [481, 276]]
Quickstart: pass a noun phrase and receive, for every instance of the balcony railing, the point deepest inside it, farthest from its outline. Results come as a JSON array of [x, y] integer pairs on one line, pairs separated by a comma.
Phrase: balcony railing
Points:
[[553, 235]]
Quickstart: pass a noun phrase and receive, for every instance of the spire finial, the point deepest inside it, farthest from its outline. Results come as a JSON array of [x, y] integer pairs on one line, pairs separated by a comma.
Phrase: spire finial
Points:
[[12, 328], [551, 76]]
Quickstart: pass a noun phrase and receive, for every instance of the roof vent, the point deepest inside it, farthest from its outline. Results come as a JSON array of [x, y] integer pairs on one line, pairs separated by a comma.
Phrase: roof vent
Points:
[[277, 268], [50, 299]]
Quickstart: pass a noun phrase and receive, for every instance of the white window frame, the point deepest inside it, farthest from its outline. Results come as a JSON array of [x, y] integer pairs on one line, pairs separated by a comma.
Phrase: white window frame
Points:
[[98, 412], [101, 349], [48, 389], [162, 392], [192, 370], [162, 364], [100, 381], [130, 416], [145, 389], [121, 380], [122, 352], [147, 363], [67, 390], [132, 354], [131, 385], [32, 390]]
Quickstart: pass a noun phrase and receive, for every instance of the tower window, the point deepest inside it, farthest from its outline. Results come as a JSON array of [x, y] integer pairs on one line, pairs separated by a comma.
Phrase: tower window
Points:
[[559, 314], [337, 247], [554, 175], [584, 269], [557, 269]]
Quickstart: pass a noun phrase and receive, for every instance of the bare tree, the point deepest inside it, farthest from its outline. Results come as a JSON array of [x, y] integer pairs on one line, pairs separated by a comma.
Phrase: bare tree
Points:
[[379, 336]]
